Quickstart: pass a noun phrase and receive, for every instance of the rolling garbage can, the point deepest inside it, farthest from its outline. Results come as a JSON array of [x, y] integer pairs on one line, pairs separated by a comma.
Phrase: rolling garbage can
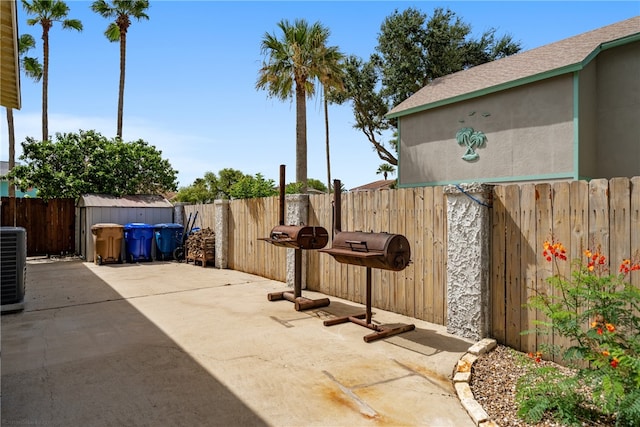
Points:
[[107, 243], [138, 238], [168, 238]]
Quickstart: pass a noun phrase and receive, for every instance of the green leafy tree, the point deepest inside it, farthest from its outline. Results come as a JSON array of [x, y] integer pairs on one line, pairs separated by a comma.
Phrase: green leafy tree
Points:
[[293, 61], [32, 69], [211, 187], [198, 192], [295, 187], [122, 11], [411, 52], [233, 184], [87, 162], [46, 12], [251, 187], [385, 169], [369, 106], [437, 47]]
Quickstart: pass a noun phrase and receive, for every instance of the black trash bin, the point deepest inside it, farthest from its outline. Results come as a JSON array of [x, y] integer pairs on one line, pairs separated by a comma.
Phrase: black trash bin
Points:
[[168, 238]]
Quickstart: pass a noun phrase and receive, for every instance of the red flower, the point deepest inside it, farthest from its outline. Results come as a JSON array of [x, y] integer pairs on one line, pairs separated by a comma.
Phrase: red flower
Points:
[[537, 356], [554, 250], [626, 266], [614, 363], [599, 331]]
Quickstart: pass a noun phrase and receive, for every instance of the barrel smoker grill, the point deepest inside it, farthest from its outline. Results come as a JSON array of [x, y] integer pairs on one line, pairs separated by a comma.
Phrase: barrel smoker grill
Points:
[[298, 237], [371, 250]]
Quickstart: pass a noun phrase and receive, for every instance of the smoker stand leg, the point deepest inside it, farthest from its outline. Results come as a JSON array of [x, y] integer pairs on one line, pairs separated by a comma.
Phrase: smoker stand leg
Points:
[[380, 331], [301, 303]]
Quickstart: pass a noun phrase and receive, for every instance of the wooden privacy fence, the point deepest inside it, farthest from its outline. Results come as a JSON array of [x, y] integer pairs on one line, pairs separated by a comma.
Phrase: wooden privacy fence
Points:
[[579, 214], [206, 215], [599, 214], [250, 220], [50, 224], [418, 213]]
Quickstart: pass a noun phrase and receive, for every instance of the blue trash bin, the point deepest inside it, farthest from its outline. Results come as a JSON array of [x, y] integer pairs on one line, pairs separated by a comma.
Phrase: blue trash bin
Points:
[[138, 238], [168, 238]]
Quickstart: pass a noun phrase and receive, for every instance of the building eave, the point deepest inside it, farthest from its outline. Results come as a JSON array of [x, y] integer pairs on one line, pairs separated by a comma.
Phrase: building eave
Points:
[[9, 56]]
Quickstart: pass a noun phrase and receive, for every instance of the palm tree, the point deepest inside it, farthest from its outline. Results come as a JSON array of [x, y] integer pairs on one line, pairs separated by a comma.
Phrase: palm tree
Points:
[[122, 11], [293, 63], [33, 69], [384, 169], [333, 88], [47, 12]]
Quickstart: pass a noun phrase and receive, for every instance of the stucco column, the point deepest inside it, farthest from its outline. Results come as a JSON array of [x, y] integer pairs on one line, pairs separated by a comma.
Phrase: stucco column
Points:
[[468, 232], [221, 212], [297, 214], [178, 212]]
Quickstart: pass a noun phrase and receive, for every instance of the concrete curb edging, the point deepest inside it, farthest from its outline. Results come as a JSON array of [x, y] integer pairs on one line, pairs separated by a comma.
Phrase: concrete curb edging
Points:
[[462, 377]]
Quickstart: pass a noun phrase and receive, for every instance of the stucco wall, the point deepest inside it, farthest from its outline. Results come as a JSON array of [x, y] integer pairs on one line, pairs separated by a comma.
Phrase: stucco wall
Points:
[[529, 133], [588, 120], [618, 112]]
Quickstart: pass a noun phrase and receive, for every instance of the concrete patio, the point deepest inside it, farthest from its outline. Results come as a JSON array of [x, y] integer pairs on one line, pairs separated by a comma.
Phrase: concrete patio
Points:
[[172, 344]]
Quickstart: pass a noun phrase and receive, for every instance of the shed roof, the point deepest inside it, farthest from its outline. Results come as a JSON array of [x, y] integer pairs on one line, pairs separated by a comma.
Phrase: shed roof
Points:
[[554, 59], [383, 184], [135, 201]]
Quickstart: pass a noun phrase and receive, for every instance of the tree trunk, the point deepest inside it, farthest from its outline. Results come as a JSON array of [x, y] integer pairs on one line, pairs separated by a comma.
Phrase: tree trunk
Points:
[[301, 137], [12, 149], [123, 55], [45, 83], [326, 130], [12, 163]]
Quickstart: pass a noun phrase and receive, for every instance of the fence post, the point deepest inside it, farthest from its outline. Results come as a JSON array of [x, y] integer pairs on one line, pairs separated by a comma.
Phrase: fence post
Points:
[[297, 214], [468, 258], [221, 212]]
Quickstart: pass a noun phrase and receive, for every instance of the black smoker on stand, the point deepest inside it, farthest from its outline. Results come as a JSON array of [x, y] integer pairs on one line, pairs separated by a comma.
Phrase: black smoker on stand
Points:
[[371, 250], [298, 237]]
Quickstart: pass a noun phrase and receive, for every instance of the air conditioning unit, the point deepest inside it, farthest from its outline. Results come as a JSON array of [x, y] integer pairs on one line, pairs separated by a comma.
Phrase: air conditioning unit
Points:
[[13, 268]]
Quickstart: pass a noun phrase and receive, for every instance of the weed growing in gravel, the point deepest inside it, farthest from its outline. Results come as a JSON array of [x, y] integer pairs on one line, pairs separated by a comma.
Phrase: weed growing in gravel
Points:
[[600, 314]]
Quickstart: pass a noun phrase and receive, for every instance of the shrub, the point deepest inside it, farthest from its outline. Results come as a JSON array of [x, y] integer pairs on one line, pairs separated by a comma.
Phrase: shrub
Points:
[[599, 312]]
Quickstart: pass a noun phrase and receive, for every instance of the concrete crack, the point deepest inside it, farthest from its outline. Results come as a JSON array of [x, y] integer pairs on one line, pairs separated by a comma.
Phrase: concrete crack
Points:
[[364, 408]]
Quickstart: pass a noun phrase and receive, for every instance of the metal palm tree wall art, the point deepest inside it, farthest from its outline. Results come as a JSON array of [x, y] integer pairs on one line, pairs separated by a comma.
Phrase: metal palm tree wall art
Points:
[[471, 139]]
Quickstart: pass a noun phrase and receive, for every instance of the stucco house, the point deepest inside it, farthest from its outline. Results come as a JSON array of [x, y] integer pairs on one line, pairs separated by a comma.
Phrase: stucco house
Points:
[[4, 183], [563, 111]]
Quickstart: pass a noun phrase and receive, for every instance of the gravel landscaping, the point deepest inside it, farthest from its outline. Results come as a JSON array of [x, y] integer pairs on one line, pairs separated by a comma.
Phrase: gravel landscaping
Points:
[[493, 383]]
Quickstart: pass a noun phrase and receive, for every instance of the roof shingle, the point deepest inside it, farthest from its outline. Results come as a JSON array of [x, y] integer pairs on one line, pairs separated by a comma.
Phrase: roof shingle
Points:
[[539, 61]]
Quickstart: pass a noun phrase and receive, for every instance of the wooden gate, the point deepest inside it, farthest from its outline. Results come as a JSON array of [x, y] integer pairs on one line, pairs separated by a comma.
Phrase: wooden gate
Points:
[[50, 224]]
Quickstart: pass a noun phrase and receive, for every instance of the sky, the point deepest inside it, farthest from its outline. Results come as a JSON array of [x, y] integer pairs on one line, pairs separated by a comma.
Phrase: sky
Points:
[[192, 67]]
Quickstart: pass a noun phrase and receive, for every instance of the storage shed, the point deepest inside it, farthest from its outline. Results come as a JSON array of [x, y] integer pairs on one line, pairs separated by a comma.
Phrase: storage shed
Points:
[[95, 209]]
